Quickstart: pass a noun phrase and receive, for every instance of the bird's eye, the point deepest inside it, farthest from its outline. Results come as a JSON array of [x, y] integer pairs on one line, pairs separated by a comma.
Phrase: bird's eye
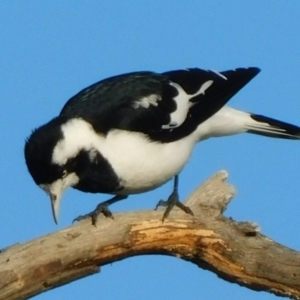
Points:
[[64, 174]]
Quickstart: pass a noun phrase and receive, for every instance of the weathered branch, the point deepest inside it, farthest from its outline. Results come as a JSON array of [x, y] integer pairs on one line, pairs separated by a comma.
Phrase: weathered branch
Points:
[[237, 252]]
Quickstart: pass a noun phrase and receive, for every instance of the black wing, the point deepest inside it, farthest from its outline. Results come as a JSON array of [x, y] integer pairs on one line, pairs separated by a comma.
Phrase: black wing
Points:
[[164, 106]]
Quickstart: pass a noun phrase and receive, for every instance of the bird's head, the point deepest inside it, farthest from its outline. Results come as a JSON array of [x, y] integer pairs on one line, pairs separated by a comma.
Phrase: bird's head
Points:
[[52, 160]]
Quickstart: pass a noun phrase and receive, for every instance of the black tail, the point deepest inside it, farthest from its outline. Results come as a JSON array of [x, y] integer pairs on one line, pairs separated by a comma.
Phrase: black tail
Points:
[[273, 128], [224, 86]]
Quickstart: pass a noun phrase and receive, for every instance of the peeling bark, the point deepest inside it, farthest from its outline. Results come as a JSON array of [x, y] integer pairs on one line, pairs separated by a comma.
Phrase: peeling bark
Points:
[[235, 251]]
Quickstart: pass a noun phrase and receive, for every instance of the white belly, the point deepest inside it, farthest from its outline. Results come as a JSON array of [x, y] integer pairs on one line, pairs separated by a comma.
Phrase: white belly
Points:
[[142, 164]]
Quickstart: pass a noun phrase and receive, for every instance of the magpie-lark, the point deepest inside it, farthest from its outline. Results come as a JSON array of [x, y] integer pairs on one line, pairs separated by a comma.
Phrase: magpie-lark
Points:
[[132, 133]]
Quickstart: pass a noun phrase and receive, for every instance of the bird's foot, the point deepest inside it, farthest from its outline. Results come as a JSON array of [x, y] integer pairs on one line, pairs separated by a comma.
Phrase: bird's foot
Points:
[[172, 201], [102, 208]]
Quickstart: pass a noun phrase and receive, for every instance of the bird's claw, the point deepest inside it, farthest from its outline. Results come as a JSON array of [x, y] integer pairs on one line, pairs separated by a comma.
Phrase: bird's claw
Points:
[[100, 209], [172, 201]]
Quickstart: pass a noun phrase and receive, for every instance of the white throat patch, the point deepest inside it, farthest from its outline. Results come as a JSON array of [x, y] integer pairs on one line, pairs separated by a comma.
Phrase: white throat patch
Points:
[[57, 187]]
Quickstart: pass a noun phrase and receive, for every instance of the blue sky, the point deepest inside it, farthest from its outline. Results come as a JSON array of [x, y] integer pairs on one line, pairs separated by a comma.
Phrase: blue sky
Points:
[[52, 49]]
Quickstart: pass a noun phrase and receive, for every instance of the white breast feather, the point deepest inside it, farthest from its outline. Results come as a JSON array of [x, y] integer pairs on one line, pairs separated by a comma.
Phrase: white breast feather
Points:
[[140, 163]]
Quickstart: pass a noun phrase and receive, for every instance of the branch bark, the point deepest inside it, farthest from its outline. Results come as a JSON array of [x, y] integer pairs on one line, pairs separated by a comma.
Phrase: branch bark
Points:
[[235, 251]]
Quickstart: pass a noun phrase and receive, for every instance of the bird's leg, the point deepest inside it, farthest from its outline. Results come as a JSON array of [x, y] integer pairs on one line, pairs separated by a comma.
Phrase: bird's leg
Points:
[[101, 208], [172, 201]]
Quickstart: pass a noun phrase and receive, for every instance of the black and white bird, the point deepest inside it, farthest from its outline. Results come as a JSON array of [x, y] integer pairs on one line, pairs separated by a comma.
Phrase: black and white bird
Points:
[[134, 132]]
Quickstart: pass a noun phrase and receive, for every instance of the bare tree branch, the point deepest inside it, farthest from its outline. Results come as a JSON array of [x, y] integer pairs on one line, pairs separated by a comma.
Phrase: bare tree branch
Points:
[[235, 251]]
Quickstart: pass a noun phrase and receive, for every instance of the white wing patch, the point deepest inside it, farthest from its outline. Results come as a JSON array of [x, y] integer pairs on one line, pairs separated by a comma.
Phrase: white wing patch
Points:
[[203, 88], [183, 104], [145, 102], [219, 74]]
